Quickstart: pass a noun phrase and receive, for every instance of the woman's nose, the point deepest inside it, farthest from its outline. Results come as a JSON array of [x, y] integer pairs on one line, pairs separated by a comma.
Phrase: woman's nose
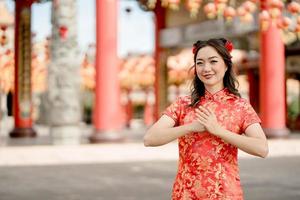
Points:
[[206, 67]]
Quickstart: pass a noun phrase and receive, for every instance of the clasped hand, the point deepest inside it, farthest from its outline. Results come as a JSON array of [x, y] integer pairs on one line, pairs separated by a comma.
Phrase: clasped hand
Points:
[[206, 120]]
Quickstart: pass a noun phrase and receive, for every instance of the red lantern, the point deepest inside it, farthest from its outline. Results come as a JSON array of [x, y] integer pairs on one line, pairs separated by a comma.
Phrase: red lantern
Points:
[[249, 6], [241, 11], [229, 13], [298, 20], [264, 19], [4, 40], [221, 5], [276, 4], [275, 8], [297, 29], [3, 28], [193, 6], [174, 4], [8, 52], [264, 16], [284, 23], [63, 32], [211, 10], [293, 7], [247, 18]]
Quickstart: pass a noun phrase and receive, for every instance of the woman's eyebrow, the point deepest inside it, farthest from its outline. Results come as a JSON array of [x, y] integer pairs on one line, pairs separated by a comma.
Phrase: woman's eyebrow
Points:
[[212, 57], [208, 58]]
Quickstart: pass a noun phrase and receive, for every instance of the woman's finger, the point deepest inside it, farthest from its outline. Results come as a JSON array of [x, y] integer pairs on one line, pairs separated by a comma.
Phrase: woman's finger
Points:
[[202, 114], [203, 109], [202, 120], [210, 110]]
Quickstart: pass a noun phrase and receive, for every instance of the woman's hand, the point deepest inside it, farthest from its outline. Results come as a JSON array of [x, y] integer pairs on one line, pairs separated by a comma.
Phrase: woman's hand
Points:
[[206, 117], [196, 126]]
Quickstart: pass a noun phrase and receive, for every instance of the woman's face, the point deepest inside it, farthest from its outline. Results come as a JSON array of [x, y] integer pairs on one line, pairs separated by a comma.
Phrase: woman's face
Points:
[[210, 67]]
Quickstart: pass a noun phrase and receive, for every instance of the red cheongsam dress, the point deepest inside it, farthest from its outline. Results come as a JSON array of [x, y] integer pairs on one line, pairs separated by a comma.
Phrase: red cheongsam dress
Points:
[[208, 166]]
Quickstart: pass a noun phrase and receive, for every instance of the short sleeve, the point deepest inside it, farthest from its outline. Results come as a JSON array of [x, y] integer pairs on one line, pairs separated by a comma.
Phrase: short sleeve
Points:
[[249, 116], [174, 110]]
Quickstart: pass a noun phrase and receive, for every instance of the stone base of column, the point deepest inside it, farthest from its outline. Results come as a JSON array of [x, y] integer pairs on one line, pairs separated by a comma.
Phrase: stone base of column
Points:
[[277, 133], [65, 135], [22, 132], [106, 136]]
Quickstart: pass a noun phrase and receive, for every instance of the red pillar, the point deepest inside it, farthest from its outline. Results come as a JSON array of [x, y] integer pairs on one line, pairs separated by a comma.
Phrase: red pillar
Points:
[[22, 93], [107, 111], [159, 85], [253, 89], [272, 83]]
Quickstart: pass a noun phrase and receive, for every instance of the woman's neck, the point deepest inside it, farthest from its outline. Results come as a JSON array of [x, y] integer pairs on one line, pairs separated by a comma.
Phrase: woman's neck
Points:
[[214, 89]]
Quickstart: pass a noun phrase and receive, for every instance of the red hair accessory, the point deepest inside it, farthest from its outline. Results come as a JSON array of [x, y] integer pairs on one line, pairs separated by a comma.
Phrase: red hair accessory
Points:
[[195, 49], [229, 46]]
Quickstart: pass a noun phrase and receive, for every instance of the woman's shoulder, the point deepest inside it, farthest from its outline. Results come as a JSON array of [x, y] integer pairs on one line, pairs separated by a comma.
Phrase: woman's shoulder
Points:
[[184, 100], [242, 101]]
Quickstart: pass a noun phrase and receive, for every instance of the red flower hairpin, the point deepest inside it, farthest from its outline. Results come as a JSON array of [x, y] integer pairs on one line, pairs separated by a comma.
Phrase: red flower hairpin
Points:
[[194, 49], [229, 46]]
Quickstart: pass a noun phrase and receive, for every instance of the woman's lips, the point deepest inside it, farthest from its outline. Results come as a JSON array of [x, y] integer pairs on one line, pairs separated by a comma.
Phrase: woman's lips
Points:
[[208, 76]]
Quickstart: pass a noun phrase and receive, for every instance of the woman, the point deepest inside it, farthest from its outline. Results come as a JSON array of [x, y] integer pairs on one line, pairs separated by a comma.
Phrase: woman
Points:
[[210, 124]]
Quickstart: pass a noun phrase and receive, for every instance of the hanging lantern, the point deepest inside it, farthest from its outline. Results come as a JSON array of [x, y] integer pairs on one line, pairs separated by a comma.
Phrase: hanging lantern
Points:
[[229, 13], [298, 20], [294, 8], [8, 52], [3, 28], [164, 3], [174, 4], [221, 5], [284, 23], [3, 40], [264, 19], [151, 4], [210, 10], [193, 6], [241, 11], [247, 18], [276, 4], [249, 6], [63, 32], [244, 15], [297, 31], [275, 8]]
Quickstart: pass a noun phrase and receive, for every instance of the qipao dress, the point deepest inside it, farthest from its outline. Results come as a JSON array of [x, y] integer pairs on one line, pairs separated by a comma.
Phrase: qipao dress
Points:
[[208, 166]]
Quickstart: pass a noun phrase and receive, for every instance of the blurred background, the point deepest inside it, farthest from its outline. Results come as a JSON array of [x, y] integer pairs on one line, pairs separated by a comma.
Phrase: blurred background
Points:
[[81, 81]]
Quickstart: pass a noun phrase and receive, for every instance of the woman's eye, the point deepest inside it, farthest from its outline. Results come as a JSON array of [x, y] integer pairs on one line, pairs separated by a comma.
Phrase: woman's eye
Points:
[[214, 61]]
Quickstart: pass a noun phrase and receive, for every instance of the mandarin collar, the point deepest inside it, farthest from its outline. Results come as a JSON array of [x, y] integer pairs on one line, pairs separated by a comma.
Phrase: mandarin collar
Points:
[[223, 94]]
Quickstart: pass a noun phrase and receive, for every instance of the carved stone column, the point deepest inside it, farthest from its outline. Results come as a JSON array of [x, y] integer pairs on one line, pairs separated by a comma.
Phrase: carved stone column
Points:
[[63, 75]]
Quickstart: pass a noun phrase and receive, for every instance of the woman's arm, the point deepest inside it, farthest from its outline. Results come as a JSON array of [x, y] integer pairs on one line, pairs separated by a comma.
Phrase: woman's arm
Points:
[[253, 142], [163, 131]]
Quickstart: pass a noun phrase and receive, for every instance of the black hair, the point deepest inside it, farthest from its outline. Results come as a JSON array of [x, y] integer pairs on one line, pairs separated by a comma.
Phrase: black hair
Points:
[[229, 80]]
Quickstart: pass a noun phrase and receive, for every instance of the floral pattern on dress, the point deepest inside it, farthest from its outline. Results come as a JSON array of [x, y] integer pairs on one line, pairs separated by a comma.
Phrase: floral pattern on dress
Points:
[[208, 166]]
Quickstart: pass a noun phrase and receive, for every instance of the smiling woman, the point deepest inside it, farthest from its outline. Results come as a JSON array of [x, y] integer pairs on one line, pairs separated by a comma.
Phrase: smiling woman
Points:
[[211, 125]]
